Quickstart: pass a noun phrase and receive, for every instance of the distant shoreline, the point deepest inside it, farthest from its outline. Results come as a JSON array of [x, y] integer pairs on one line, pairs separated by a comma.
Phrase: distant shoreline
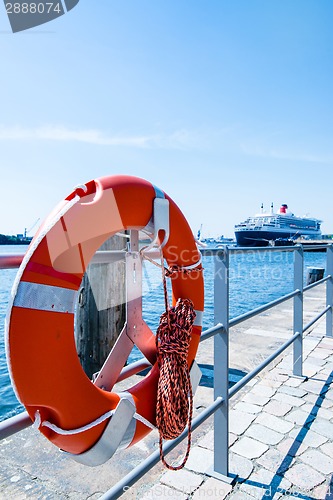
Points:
[[13, 240]]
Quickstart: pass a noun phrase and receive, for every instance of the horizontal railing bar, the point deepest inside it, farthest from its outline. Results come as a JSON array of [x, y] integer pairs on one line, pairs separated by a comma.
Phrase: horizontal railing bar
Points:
[[11, 260], [316, 283], [241, 383], [316, 247], [263, 249], [108, 256], [140, 470], [314, 320], [236, 249], [208, 252], [133, 369], [14, 424], [210, 332], [263, 308]]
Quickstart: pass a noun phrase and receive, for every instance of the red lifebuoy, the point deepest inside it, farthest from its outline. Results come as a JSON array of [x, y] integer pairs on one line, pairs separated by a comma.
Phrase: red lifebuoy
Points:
[[42, 357]]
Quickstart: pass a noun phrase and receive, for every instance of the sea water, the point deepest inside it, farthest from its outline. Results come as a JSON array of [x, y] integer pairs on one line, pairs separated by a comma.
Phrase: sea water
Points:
[[256, 277]]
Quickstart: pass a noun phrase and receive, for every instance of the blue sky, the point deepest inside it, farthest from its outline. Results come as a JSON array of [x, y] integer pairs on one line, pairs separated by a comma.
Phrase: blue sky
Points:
[[223, 104]]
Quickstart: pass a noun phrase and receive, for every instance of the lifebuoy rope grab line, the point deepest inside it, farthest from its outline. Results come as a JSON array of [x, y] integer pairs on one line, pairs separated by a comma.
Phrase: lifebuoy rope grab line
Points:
[[47, 384]]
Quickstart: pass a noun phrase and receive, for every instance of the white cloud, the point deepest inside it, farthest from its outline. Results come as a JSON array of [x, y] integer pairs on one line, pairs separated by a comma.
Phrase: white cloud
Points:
[[180, 139]]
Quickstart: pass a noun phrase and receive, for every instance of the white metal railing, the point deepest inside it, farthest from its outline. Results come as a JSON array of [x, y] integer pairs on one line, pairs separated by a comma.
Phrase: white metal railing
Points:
[[220, 332]]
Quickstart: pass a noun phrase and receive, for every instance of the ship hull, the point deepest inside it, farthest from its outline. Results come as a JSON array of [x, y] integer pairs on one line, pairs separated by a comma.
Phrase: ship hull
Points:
[[262, 238]]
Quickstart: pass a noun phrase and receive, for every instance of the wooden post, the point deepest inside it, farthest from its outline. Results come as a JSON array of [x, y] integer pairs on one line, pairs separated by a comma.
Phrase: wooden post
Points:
[[100, 313]]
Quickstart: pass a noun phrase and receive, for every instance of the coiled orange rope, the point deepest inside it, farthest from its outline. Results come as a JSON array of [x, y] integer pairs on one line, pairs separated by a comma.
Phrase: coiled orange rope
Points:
[[174, 395]]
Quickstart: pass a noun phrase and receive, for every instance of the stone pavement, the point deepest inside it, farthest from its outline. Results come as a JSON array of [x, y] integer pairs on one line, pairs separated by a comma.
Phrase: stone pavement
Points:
[[281, 437], [281, 432]]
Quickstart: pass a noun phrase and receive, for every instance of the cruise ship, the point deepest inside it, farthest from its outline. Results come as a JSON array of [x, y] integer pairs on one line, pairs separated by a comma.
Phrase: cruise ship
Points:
[[269, 228]]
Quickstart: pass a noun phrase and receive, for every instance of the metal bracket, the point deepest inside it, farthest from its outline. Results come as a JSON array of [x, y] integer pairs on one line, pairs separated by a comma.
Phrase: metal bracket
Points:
[[161, 221], [121, 427]]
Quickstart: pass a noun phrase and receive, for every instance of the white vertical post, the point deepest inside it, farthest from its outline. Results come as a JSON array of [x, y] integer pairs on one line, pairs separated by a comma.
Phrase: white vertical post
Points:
[[298, 311], [221, 364], [329, 290]]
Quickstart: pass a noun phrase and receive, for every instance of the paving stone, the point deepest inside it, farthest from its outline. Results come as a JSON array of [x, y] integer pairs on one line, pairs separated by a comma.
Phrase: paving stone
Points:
[[266, 484], [286, 366], [240, 466], [328, 368], [300, 417], [277, 408], [267, 333], [275, 461], [321, 353], [309, 371], [329, 395], [327, 448], [294, 381], [316, 387], [275, 423], [239, 494], [182, 480], [281, 370], [255, 399], [207, 441], [323, 491], [310, 343], [314, 367], [304, 477], [323, 427], [212, 488], [308, 437], [264, 434], [200, 459], [248, 407], [324, 413], [318, 401], [327, 344], [315, 361], [275, 384], [290, 400], [263, 390], [292, 391], [249, 448], [292, 447], [239, 421], [327, 379], [162, 491], [318, 460], [232, 438]]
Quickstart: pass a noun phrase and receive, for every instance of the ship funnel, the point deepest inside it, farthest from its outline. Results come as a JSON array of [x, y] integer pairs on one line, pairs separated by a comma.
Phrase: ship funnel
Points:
[[272, 208], [262, 208], [283, 209]]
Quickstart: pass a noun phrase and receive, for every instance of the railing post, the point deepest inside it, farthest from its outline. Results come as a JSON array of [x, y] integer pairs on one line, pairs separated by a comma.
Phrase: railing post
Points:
[[298, 311], [221, 366], [329, 290]]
